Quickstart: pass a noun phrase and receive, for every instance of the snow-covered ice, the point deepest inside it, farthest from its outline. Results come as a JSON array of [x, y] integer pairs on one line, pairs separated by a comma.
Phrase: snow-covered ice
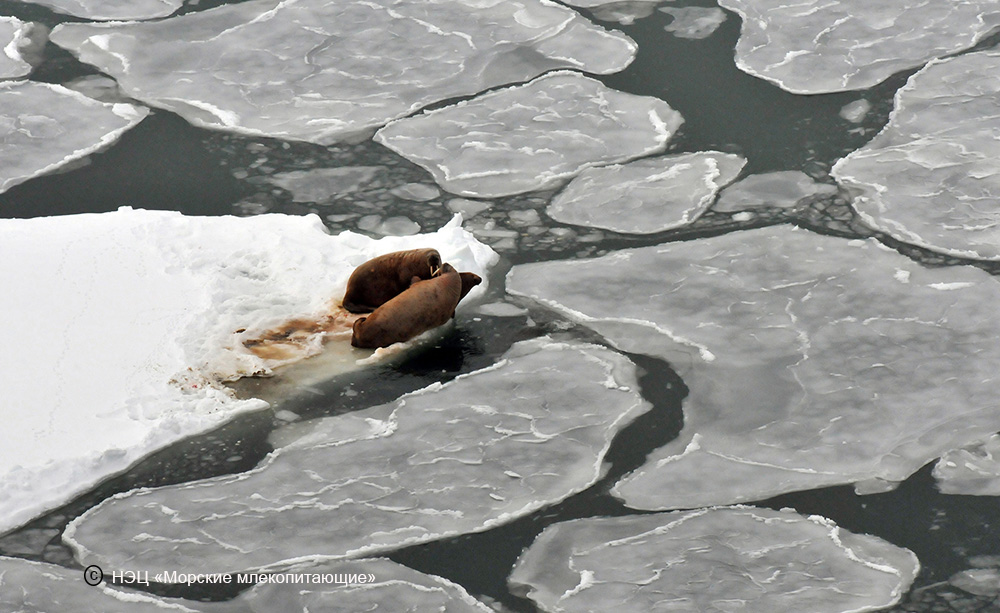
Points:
[[820, 46], [932, 176], [13, 35], [972, 470], [531, 136], [323, 70], [695, 22], [712, 560], [646, 196], [810, 360], [465, 456], [783, 189], [43, 127], [36, 587], [106, 10], [120, 327]]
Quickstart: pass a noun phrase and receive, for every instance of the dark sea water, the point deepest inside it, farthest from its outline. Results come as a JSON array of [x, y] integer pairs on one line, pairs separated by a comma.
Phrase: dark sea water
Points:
[[165, 163]]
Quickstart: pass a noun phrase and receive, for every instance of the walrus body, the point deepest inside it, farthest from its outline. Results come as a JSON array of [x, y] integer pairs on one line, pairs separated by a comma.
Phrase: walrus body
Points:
[[425, 304], [381, 279]]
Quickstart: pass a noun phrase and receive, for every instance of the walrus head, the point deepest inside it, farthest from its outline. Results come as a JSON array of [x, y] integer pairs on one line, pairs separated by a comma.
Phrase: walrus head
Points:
[[434, 262]]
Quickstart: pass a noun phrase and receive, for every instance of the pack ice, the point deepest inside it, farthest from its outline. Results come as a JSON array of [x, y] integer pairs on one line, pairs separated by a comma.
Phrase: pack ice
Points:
[[931, 177], [13, 33], [711, 560], [810, 360], [646, 196], [821, 46], [120, 327], [43, 127], [461, 457], [105, 10], [36, 586], [324, 70], [531, 136]]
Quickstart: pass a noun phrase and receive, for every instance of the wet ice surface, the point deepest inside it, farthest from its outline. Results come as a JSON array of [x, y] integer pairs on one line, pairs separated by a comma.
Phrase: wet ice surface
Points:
[[758, 323], [326, 70], [783, 189], [124, 325], [646, 196], [823, 46], [461, 457], [931, 177], [105, 10], [712, 560], [37, 587], [974, 470], [694, 21], [13, 33], [531, 136], [43, 127]]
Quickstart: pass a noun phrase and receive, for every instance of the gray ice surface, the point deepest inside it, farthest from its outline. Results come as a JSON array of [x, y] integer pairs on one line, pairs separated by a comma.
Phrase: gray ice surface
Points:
[[321, 185], [13, 35], [474, 453], [43, 127], [821, 46], [810, 360], [972, 471], [324, 71], [104, 10], [782, 189], [932, 176], [531, 136], [624, 13], [646, 196], [694, 22], [346, 587], [718, 560]]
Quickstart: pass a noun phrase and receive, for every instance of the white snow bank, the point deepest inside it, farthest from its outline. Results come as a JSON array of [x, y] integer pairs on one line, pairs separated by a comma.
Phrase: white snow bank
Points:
[[121, 325]]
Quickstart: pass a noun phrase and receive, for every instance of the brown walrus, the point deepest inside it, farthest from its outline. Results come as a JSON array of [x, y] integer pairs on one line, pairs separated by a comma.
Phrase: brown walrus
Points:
[[380, 279], [424, 305]]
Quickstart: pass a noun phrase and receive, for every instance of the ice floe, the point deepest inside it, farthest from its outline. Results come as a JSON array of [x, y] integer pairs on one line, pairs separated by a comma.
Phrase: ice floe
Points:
[[321, 185], [362, 585], [106, 10], [465, 456], [43, 127], [646, 196], [531, 136], [695, 22], [821, 46], [931, 177], [811, 360], [624, 13], [972, 471], [121, 325], [782, 189], [323, 71], [13, 35], [721, 559]]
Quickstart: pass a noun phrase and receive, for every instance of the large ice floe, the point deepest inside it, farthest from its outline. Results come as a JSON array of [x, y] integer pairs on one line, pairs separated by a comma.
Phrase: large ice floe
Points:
[[13, 35], [712, 560], [479, 451], [811, 360], [531, 136], [821, 46], [646, 196], [362, 585], [932, 176], [120, 327], [43, 127], [324, 70], [105, 10]]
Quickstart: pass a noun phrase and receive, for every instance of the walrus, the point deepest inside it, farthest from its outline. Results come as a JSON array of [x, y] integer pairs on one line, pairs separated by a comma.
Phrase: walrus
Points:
[[380, 279], [425, 304]]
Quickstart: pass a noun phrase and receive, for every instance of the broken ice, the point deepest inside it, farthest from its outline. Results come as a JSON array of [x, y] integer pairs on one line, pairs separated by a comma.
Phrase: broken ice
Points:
[[461, 457], [43, 127], [321, 185], [821, 46], [932, 176], [13, 34], [694, 22], [531, 136], [326, 70], [646, 196], [105, 10], [811, 360], [971, 471], [721, 559], [783, 189]]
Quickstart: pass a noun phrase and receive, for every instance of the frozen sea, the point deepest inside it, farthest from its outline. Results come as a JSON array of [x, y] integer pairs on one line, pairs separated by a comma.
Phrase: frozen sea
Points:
[[735, 349]]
